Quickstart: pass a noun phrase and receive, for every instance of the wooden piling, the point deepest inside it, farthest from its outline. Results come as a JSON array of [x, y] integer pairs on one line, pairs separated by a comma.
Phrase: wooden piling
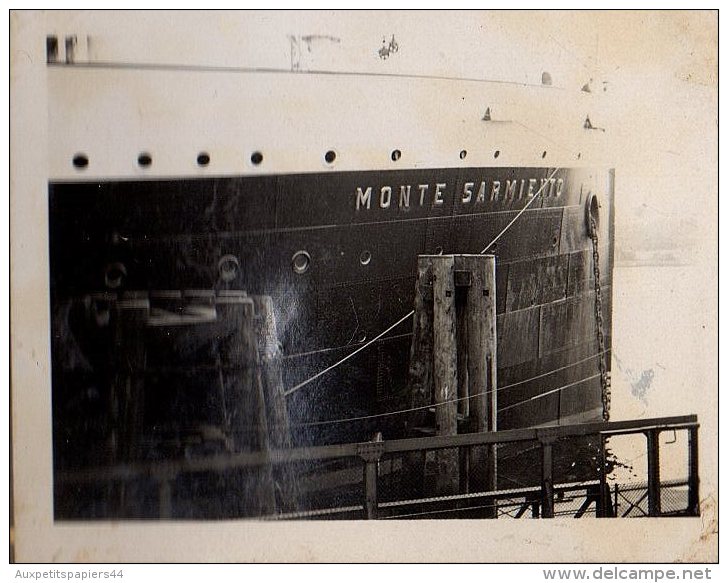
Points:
[[463, 356], [453, 362], [245, 401], [445, 368], [420, 373], [444, 346], [276, 408], [130, 315], [421, 355], [271, 373], [479, 313]]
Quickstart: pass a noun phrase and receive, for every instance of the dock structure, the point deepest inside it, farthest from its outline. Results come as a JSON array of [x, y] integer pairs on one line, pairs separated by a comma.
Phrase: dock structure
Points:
[[446, 467], [219, 349], [453, 461], [453, 362], [368, 500]]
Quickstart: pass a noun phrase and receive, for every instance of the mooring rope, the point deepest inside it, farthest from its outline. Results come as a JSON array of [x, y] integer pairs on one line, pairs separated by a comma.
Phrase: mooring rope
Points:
[[254, 427], [433, 405], [547, 393], [523, 210], [412, 312], [348, 356]]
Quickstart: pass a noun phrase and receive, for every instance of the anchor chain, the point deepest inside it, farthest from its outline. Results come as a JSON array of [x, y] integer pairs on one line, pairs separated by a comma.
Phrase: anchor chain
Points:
[[603, 373]]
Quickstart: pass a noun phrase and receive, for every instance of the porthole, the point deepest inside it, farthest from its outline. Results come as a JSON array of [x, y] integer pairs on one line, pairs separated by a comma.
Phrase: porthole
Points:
[[300, 262], [203, 159], [114, 275], [396, 155], [330, 156], [144, 159], [80, 161], [228, 267], [496, 153], [365, 257], [463, 154], [256, 158]]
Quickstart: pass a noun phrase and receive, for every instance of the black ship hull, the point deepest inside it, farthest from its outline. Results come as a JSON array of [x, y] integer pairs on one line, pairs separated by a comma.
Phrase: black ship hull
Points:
[[337, 253], [360, 269]]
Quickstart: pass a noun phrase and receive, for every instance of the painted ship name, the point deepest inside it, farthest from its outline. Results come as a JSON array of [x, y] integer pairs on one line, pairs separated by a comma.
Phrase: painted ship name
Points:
[[405, 196]]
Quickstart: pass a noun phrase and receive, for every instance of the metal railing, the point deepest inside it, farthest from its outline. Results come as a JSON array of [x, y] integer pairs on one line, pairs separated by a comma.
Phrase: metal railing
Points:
[[540, 499]]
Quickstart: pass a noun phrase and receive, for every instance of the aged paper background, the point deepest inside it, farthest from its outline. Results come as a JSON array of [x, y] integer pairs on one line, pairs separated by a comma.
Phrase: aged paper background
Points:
[[661, 69]]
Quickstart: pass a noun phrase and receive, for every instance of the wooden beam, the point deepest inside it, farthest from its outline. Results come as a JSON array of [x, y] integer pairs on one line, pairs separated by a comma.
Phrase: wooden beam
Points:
[[420, 372], [245, 402], [461, 342], [271, 373], [130, 316], [480, 346], [274, 405], [445, 368]]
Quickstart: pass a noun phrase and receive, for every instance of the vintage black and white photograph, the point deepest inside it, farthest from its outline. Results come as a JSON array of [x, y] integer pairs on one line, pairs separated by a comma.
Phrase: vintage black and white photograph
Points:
[[382, 266]]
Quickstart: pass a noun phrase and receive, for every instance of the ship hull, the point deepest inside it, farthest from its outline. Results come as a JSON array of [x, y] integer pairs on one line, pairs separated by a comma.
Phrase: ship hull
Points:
[[337, 253]]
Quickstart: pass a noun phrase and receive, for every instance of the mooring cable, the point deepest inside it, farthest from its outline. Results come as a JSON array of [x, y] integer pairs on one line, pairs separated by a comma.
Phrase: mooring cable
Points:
[[348, 356], [432, 405], [523, 210], [547, 393], [449, 401]]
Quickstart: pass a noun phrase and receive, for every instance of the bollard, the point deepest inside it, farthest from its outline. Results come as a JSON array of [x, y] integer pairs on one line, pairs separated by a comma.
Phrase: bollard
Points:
[[445, 369]]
